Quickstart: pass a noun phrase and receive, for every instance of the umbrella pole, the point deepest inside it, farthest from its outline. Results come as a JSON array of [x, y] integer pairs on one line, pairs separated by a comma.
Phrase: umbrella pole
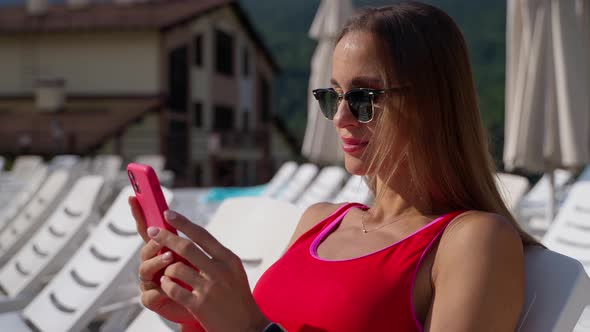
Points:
[[551, 198]]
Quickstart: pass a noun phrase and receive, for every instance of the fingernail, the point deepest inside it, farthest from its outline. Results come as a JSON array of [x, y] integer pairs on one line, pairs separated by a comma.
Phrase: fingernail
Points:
[[167, 256], [170, 215], [153, 231], [162, 279]]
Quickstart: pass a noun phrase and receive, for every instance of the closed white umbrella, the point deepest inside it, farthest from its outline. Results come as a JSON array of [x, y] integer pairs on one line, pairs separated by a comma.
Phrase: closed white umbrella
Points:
[[321, 144], [547, 86]]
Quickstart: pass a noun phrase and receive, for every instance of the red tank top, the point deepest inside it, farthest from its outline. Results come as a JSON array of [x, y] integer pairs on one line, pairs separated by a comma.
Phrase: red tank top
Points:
[[305, 293]]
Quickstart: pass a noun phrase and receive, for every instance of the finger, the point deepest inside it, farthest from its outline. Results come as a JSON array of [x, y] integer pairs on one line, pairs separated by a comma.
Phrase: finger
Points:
[[150, 250], [198, 234], [149, 268], [137, 213], [186, 274], [176, 292], [184, 248], [151, 298], [146, 286]]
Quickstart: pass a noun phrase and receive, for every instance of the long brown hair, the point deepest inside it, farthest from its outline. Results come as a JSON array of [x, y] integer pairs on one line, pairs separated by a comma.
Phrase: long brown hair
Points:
[[447, 149]]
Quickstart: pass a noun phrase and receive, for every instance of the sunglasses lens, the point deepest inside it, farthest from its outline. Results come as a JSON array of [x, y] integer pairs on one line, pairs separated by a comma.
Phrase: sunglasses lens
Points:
[[361, 105], [328, 101]]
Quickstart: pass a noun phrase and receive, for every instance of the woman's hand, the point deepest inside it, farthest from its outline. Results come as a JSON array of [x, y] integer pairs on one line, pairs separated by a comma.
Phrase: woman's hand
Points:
[[152, 295], [221, 299]]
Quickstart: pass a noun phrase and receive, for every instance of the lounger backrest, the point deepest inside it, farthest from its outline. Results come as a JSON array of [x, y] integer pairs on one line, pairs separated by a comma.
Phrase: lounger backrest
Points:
[[72, 298], [67, 161], [110, 168], [25, 194], [539, 193], [157, 161], [255, 227], [557, 290], [512, 188], [280, 179], [355, 190], [301, 179], [24, 166], [569, 234], [323, 187], [148, 320], [23, 271], [31, 214]]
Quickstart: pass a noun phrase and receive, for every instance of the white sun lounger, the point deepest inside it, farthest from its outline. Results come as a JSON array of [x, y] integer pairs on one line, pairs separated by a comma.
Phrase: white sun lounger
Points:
[[512, 188], [106, 165], [257, 229], [323, 187], [295, 187], [557, 290], [280, 179], [537, 197], [20, 173], [90, 279], [24, 166], [50, 247], [150, 321], [355, 190], [14, 202], [18, 230], [109, 167], [569, 234]]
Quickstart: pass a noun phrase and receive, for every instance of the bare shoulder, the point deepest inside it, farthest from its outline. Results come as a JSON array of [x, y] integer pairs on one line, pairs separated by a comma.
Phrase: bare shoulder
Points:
[[478, 274], [473, 227], [484, 235], [313, 215]]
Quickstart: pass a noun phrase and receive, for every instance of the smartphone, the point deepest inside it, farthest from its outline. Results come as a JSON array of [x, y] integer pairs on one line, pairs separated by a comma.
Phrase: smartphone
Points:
[[149, 194]]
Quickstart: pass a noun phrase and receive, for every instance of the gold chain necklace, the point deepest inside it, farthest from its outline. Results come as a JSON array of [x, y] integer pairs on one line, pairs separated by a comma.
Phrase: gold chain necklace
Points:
[[380, 226]]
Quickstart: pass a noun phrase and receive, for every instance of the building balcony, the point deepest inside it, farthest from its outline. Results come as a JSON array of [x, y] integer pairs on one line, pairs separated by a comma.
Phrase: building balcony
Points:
[[239, 144]]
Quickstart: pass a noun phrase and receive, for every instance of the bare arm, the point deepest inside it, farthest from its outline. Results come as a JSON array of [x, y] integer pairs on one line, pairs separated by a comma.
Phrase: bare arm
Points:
[[478, 276]]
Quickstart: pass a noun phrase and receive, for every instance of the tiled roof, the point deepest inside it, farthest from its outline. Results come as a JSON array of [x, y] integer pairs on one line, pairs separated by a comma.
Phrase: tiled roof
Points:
[[154, 14], [84, 125], [159, 14]]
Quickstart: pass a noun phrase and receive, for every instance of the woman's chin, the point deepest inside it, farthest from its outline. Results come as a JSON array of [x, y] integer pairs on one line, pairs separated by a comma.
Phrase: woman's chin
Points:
[[354, 166]]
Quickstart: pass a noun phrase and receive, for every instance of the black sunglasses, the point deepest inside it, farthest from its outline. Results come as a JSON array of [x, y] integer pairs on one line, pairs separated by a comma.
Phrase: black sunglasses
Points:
[[360, 101]]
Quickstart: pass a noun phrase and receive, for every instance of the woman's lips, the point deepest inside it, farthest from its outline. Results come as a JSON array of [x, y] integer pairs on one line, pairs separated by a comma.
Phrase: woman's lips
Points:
[[350, 145]]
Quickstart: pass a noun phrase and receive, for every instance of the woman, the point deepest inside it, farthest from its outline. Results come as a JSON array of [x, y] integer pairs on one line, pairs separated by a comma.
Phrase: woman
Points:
[[438, 250]]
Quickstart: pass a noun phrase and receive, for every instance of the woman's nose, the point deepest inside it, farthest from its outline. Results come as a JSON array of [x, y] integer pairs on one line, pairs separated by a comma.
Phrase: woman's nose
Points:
[[343, 117]]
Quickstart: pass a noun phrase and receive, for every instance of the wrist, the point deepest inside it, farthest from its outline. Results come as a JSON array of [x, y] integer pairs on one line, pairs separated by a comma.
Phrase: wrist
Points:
[[259, 325], [190, 327], [274, 327]]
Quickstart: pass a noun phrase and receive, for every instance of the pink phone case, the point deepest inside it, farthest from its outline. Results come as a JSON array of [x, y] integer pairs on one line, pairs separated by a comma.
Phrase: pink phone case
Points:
[[149, 194]]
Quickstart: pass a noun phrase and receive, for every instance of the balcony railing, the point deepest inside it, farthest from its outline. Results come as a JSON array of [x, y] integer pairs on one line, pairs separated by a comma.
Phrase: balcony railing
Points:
[[238, 140]]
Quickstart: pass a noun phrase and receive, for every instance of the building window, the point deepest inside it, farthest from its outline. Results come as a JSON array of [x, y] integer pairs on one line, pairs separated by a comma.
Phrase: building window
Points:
[[224, 173], [245, 62], [223, 118], [198, 115], [245, 120], [264, 100], [198, 49], [224, 49], [198, 174]]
